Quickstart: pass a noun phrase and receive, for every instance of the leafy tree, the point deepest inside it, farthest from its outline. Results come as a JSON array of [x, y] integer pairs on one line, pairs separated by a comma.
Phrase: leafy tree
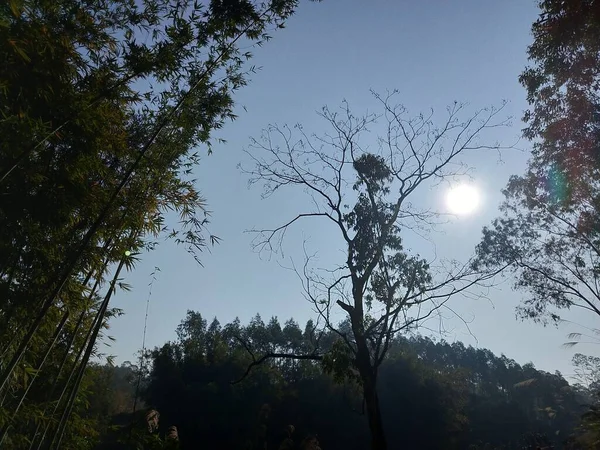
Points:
[[587, 371], [589, 430], [381, 288], [587, 376], [102, 107], [549, 229]]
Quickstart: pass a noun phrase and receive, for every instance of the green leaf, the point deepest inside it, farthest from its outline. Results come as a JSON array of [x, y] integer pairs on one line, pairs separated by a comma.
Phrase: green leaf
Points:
[[20, 51], [31, 371], [16, 6]]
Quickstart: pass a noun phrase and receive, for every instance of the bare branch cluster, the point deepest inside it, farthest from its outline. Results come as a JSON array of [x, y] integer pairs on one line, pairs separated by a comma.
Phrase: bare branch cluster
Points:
[[362, 186], [414, 150]]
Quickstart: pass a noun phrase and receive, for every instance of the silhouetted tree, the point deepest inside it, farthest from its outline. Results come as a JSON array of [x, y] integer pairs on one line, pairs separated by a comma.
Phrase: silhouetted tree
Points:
[[380, 286]]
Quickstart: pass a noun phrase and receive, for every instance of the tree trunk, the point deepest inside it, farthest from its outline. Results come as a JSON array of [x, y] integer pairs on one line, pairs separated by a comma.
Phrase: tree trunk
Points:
[[368, 373], [369, 381], [378, 441]]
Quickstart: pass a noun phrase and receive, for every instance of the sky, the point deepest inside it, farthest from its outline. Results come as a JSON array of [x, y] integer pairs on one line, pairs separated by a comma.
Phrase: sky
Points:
[[433, 52]]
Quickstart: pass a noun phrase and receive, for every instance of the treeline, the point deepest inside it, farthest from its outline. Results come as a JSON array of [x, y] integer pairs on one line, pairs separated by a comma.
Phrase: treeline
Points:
[[434, 395]]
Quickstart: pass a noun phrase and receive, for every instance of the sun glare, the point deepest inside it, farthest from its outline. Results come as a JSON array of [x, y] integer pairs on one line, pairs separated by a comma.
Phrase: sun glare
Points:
[[462, 199]]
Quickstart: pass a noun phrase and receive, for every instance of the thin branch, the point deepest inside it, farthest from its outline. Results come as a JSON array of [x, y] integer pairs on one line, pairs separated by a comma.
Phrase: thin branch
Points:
[[271, 355]]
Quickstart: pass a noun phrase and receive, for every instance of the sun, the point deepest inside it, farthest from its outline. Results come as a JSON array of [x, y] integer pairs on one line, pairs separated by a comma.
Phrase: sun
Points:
[[462, 199]]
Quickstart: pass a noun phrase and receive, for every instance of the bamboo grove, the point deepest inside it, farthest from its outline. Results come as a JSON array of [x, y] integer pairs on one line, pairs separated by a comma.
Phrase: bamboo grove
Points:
[[105, 107]]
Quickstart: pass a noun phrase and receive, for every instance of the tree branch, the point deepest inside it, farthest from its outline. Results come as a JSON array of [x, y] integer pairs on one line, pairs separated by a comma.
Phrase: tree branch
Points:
[[271, 355]]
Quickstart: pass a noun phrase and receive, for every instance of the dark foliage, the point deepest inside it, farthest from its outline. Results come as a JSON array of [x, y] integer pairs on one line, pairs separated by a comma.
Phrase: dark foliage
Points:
[[433, 394]]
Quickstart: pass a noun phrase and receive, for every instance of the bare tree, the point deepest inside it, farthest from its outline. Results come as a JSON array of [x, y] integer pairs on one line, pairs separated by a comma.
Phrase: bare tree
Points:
[[380, 288]]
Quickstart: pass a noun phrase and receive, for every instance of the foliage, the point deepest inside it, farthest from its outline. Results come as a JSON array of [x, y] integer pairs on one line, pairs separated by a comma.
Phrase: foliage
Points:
[[103, 105], [587, 371], [548, 232], [433, 395], [587, 376]]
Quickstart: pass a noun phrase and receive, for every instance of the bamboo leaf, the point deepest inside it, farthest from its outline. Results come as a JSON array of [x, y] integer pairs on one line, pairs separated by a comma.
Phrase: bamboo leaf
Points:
[[16, 7], [570, 344]]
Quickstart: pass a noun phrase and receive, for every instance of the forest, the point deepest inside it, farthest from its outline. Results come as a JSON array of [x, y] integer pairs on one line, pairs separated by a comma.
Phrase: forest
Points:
[[109, 108], [433, 394]]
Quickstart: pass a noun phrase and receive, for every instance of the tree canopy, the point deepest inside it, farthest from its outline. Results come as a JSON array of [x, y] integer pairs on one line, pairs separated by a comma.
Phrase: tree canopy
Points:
[[105, 107], [548, 232], [433, 394]]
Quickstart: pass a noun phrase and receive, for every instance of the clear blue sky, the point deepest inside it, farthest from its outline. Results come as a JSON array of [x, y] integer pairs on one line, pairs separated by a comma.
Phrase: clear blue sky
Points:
[[434, 52]]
